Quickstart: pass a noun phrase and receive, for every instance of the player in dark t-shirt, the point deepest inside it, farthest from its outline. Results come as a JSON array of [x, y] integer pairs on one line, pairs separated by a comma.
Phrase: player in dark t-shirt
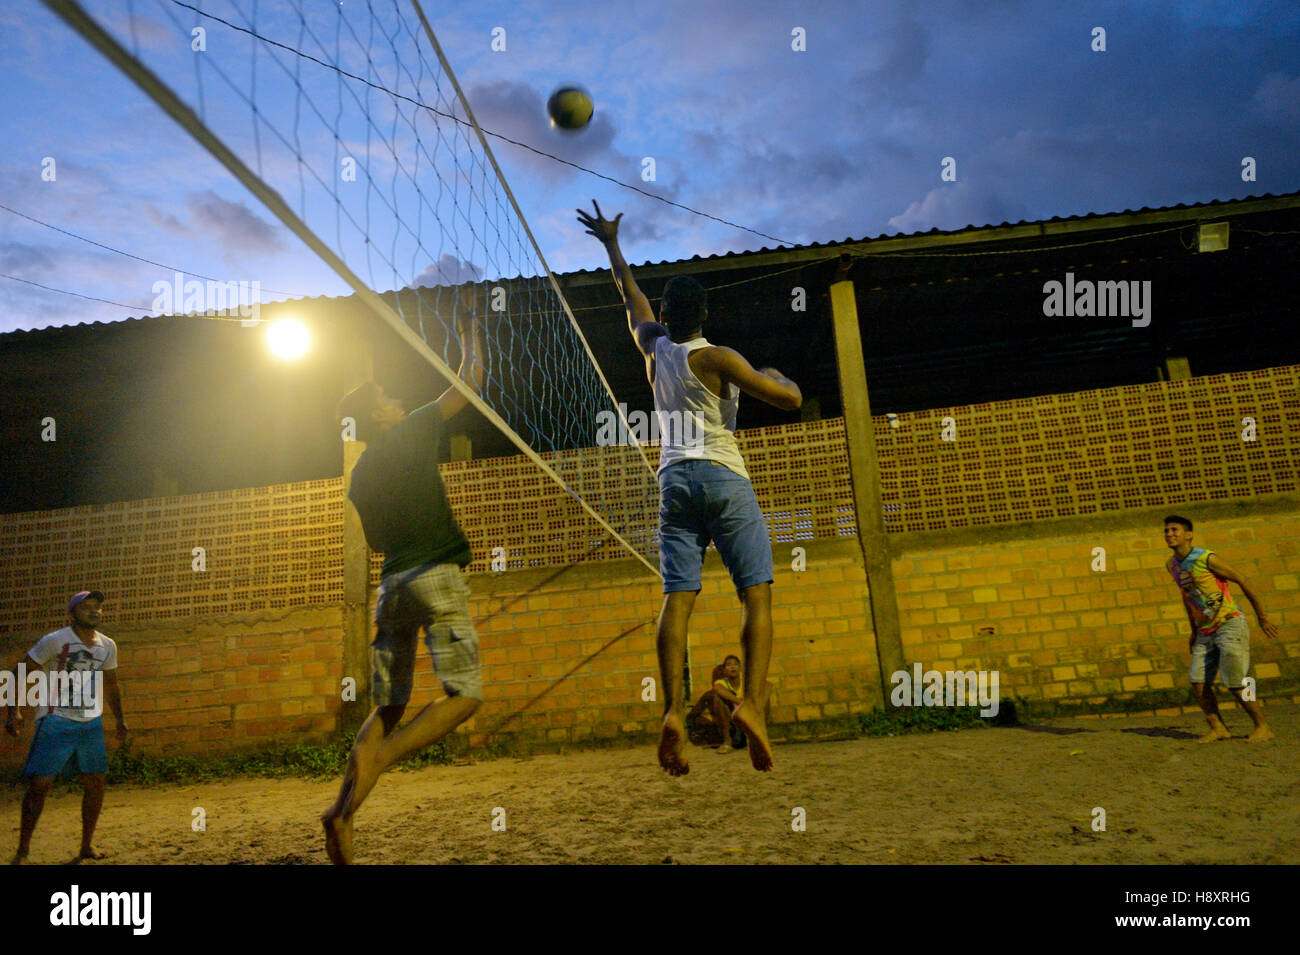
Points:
[[399, 494], [398, 491]]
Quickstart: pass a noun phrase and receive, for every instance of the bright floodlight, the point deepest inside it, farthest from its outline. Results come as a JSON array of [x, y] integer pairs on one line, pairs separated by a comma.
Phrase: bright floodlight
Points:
[[288, 338]]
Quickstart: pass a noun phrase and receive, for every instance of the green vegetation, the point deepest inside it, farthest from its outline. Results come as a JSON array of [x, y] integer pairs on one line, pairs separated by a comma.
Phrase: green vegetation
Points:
[[920, 719], [328, 759], [310, 760]]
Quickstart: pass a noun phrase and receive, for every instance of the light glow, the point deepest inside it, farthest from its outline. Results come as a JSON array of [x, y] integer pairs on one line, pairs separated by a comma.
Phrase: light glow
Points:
[[288, 339]]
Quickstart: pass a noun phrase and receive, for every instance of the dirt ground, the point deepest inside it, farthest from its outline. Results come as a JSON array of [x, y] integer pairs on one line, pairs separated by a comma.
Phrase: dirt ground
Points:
[[1012, 795]]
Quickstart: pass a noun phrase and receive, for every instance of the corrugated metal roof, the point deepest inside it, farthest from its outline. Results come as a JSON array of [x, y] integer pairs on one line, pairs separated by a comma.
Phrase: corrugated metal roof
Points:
[[832, 244], [719, 256]]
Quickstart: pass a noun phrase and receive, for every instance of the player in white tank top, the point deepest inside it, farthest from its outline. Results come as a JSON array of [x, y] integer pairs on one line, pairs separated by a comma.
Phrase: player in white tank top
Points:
[[694, 423], [701, 383]]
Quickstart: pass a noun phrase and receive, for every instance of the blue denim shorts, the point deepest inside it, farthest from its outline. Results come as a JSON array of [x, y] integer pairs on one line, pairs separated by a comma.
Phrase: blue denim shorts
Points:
[[64, 746], [433, 598], [1224, 653], [699, 502]]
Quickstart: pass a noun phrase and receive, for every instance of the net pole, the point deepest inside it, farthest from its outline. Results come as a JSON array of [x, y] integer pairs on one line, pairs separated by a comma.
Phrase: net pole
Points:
[[76, 17]]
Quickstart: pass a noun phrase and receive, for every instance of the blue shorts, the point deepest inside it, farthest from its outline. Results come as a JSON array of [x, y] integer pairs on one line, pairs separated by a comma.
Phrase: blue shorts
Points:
[[1224, 653], [61, 742], [433, 598], [699, 502]]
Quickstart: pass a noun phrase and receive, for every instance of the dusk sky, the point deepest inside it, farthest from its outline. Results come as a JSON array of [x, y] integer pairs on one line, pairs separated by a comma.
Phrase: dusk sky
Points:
[[845, 139]]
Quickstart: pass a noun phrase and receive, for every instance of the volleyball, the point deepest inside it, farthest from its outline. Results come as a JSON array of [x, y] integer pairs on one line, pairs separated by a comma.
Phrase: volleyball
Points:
[[570, 108]]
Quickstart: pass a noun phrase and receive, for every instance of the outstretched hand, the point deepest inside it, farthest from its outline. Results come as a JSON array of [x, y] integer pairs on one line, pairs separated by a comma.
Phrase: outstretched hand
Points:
[[603, 229]]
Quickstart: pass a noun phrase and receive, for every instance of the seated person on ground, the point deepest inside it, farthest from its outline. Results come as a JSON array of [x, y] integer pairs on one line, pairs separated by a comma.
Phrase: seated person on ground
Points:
[[709, 723]]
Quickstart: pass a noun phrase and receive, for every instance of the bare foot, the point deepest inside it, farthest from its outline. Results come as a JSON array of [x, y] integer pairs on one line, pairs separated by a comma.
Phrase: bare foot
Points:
[[749, 720], [338, 838], [672, 746], [1214, 735], [90, 852], [1260, 734], [724, 748], [20, 858]]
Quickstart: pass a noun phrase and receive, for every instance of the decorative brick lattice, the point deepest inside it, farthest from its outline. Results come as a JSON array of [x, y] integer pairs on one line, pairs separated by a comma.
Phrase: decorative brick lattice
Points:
[[1030, 459], [1091, 452], [265, 548]]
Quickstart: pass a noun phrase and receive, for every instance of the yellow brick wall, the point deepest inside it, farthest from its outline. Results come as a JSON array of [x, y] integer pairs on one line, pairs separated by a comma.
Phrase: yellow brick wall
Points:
[[205, 685], [220, 683], [1022, 600], [1033, 608], [535, 627]]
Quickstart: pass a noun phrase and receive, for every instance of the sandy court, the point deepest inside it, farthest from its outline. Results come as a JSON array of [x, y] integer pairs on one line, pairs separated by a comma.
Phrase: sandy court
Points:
[[994, 795]]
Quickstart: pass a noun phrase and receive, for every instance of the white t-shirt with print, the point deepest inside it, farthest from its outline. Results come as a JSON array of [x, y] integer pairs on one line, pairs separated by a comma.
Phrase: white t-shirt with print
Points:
[[63, 650]]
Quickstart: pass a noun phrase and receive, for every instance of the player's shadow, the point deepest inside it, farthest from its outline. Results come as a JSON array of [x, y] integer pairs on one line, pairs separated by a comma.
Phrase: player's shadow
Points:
[[1055, 730], [1164, 731]]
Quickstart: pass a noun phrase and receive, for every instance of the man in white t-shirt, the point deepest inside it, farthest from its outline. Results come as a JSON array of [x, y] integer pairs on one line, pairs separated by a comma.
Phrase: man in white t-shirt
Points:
[[80, 667]]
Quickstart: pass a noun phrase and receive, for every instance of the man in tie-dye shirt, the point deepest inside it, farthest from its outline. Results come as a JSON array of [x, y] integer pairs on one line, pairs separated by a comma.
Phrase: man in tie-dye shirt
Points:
[[1220, 639]]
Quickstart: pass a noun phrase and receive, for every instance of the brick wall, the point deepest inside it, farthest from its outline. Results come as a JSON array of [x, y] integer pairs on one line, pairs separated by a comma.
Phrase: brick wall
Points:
[[209, 684], [1034, 459], [227, 682], [992, 535], [536, 626], [1024, 600]]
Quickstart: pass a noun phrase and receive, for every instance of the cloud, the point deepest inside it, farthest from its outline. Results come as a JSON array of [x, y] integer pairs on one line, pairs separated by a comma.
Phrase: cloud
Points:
[[87, 273], [448, 270], [1277, 100], [232, 225], [28, 36], [164, 220], [950, 206], [151, 34], [792, 195], [518, 111], [897, 56], [772, 171], [24, 260], [1080, 146], [642, 229], [841, 141], [23, 308]]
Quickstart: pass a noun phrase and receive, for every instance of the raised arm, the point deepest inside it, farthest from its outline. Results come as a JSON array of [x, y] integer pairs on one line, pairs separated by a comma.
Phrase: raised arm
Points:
[[471, 371], [767, 385], [640, 316]]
